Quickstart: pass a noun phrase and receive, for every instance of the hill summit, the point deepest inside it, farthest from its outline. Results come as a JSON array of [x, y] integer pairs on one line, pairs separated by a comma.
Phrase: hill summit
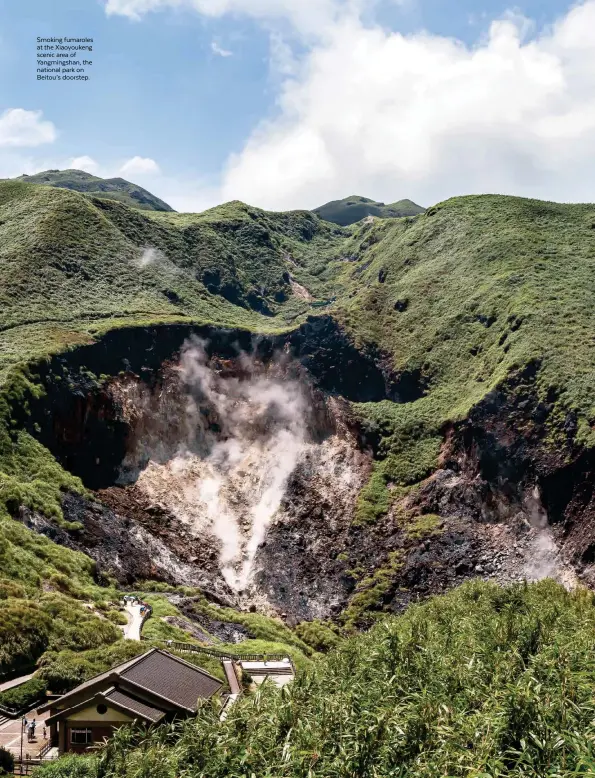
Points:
[[110, 188], [354, 208]]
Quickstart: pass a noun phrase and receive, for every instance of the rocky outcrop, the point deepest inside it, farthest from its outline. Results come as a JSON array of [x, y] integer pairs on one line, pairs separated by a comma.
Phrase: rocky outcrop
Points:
[[504, 503]]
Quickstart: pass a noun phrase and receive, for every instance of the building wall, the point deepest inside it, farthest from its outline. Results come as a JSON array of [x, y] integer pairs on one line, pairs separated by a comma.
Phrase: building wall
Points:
[[101, 726], [100, 733], [91, 714]]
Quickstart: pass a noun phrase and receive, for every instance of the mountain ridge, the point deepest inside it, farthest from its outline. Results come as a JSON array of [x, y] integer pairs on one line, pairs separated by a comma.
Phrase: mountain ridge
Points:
[[111, 188], [355, 208]]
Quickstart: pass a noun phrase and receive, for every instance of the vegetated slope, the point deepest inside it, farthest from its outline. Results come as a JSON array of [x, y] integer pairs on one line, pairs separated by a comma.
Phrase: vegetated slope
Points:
[[481, 681], [69, 274], [71, 264], [352, 209], [465, 299], [473, 318], [111, 188]]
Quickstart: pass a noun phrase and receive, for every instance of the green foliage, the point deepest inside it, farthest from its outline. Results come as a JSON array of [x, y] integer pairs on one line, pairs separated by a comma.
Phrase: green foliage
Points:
[[70, 766], [374, 500], [117, 617], [64, 669], [353, 209], [6, 761], [419, 527], [365, 605], [318, 635], [483, 682], [25, 695], [270, 635], [24, 633], [110, 188], [48, 621]]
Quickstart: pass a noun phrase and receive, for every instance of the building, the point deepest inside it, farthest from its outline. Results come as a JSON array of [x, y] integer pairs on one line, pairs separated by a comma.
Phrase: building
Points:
[[151, 688]]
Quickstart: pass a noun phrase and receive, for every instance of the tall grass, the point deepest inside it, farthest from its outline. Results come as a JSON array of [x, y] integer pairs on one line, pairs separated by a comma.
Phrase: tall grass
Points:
[[482, 682]]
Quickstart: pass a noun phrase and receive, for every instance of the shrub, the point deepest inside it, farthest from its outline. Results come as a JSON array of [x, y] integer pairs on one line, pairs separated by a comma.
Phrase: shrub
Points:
[[482, 681], [24, 633], [71, 766], [6, 762], [318, 635], [24, 695]]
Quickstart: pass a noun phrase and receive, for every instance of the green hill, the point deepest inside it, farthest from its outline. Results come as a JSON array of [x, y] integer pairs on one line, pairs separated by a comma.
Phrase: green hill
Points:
[[110, 188], [353, 209], [478, 314], [456, 300]]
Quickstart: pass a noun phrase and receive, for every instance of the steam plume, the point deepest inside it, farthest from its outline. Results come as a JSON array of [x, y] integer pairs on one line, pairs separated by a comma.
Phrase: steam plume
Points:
[[243, 438]]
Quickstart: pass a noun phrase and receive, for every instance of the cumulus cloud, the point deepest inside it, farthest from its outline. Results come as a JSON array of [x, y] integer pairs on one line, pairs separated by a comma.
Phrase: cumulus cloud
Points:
[[219, 50], [372, 111], [19, 127], [85, 163], [387, 115], [139, 166]]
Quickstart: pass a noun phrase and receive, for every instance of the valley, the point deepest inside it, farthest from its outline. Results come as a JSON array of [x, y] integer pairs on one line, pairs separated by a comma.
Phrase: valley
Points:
[[280, 432]]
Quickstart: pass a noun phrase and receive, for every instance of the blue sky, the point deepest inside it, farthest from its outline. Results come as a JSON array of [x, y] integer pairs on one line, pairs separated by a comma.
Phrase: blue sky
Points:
[[227, 95]]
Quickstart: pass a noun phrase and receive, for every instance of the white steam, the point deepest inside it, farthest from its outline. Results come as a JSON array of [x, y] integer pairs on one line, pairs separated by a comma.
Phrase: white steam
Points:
[[148, 256], [244, 437], [543, 555]]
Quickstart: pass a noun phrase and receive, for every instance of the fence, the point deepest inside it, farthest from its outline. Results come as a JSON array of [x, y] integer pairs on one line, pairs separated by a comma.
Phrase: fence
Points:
[[26, 767], [14, 713], [192, 648], [46, 749], [148, 612]]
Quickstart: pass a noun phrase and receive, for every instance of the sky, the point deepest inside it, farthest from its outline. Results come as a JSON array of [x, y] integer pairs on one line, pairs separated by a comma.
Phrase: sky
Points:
[[291, 103]]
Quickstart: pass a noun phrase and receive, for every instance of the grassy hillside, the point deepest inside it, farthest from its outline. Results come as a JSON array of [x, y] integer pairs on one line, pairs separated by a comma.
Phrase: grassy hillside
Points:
[[454, 300], [110, 188], [479, 682], [353, 209], [73, 267], [461, 297]]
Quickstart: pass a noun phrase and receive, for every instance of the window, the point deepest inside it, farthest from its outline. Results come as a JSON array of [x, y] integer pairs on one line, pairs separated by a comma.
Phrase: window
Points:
[[80, 737], [101, 709]]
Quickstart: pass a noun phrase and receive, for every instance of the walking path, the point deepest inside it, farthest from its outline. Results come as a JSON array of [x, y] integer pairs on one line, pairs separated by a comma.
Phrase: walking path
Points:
[[234, 687], [135, 622], [4, 687], [10, 735]]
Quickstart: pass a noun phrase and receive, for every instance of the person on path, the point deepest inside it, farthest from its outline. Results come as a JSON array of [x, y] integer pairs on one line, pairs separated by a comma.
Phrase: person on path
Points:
[[44, 733], [30, 733], [24, 723]]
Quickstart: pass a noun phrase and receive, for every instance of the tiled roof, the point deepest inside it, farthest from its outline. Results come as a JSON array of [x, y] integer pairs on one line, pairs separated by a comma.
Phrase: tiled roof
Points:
[[134, 706], [91, 683], [172, 678], [156, 671]]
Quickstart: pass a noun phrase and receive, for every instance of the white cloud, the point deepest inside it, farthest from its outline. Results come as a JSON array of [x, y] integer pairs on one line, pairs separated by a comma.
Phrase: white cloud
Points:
[[370, 111], [19, 127], [219, 50], [139, 166], [85, 163], [385, 115], [309, 17]]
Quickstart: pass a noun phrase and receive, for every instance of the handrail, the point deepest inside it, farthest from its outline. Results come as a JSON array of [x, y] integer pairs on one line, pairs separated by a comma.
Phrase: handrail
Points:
[[192, 648], [45, 749]]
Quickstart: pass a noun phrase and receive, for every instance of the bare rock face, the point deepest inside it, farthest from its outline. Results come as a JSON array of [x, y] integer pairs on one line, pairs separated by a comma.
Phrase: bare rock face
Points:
[[299, 566], [237, 470]]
